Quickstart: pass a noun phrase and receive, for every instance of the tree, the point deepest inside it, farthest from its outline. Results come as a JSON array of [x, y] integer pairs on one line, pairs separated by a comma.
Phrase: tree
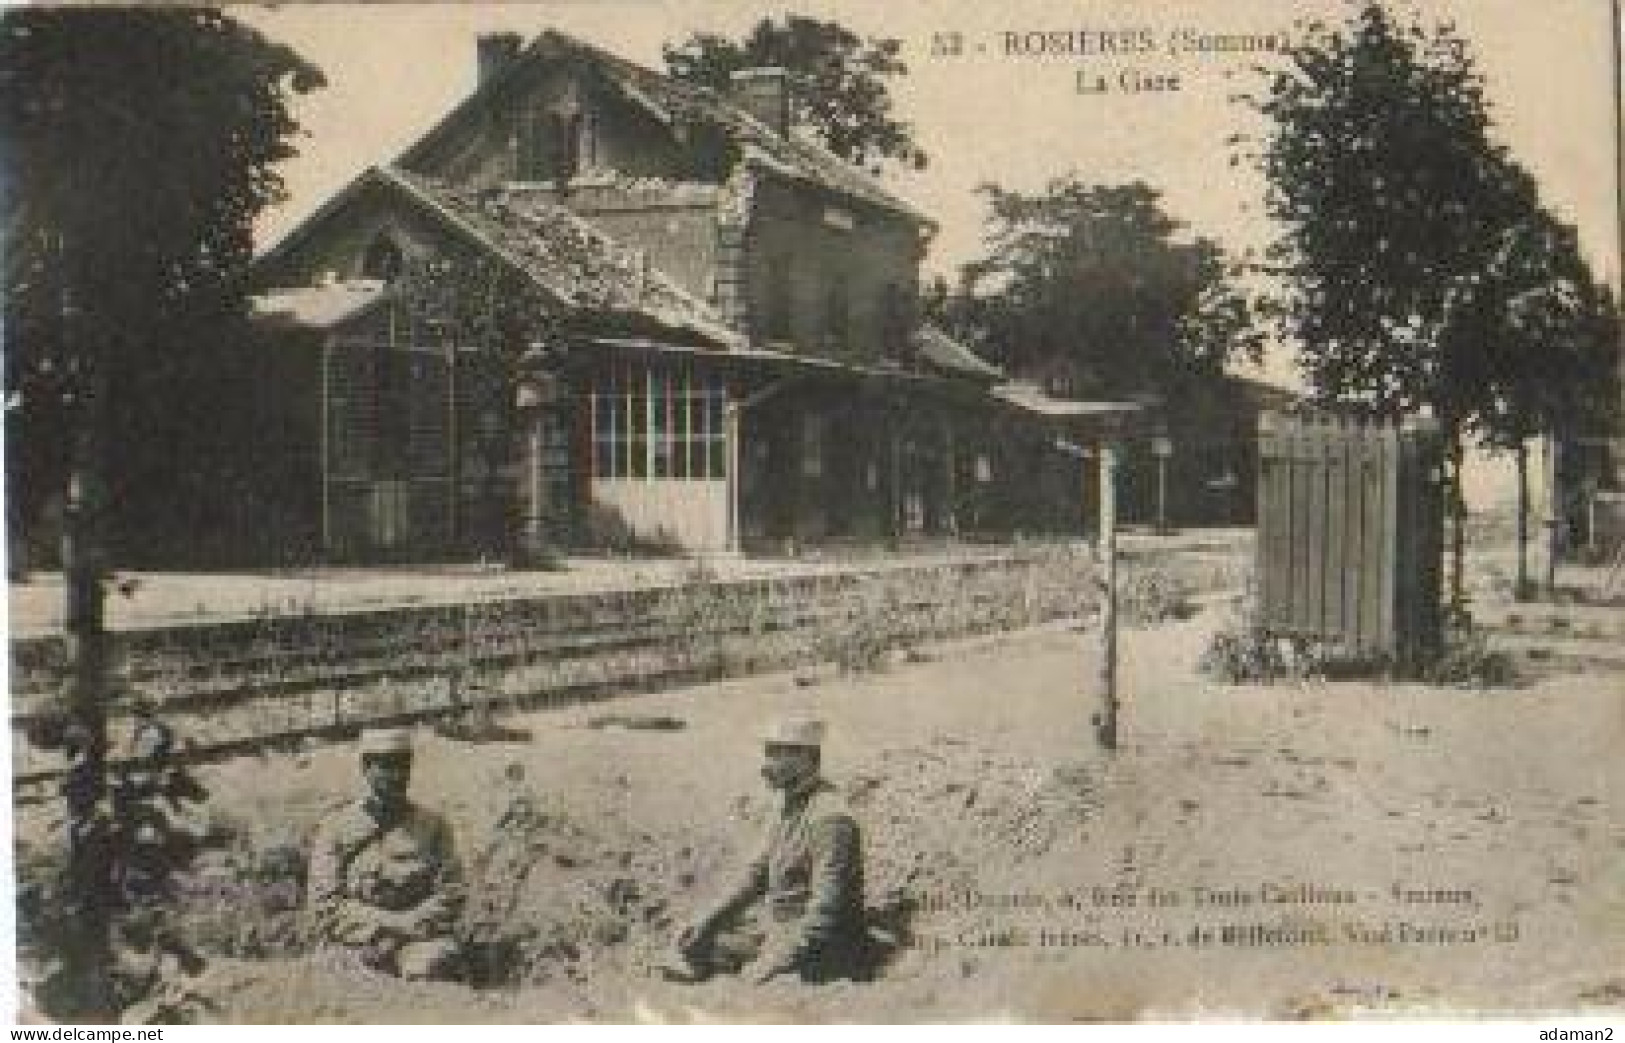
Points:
[[1553, 366], [839, 82], [1090, 283], [1394, 206], [138, 148]]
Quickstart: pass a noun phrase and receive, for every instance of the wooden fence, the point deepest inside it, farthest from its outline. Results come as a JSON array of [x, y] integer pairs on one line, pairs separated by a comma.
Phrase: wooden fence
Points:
[[1351, 533]]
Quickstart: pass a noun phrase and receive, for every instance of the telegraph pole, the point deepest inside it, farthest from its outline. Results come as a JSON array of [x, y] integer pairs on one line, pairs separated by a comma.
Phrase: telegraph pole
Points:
[[1106, 721]]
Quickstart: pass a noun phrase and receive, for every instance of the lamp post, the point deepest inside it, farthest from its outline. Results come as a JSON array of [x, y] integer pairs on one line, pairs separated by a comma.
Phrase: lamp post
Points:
[[536, 389], [1162, 447]]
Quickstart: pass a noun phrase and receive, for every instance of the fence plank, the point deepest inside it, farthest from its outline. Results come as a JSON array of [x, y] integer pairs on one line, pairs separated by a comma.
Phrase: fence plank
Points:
[[1281, 545], [1274, 522], [1353, 536], [1389, 558], [1349, 525], [1265, 535], [1336, 462], [1303, 531], [1317, 443]]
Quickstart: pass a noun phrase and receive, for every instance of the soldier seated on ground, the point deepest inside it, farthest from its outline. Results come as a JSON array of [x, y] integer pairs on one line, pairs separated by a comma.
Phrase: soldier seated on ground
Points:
[[384, 876], [798, 910]]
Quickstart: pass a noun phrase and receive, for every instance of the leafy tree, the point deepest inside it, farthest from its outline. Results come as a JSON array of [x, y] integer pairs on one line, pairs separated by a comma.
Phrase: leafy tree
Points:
[[1394, 206], [138, 146], [1089, 285], [1553, 364], [839, 82]]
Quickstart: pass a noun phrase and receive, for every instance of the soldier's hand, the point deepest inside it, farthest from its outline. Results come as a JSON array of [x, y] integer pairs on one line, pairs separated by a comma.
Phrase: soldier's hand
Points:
[[423, 920], [345, 924], [763, 972], [772, 963], [357, 925]]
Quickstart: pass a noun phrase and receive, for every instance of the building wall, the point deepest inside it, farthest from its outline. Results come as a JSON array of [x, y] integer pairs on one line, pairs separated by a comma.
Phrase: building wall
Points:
[[676, 229], [804, 251], [620, 137], [417, 447]]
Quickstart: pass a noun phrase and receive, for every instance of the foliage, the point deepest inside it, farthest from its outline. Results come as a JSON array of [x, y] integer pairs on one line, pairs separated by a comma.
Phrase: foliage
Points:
[[1091, 282], [1418, 267], [838, 82], [1242, 655], [1151, 595], [1391, 200], [1466, 660], [145, 843], [1553, 366], [139, 146], [471, 299]]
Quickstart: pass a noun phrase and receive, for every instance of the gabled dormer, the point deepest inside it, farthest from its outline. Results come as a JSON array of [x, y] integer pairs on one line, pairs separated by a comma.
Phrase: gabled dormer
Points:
[[562, 114], [791, 248]]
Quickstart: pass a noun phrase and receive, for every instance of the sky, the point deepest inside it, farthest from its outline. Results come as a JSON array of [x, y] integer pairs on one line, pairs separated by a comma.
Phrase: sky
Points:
[[1008, 107]]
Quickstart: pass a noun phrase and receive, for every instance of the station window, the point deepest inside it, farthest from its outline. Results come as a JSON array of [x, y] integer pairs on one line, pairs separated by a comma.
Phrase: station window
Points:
[[658, 423]]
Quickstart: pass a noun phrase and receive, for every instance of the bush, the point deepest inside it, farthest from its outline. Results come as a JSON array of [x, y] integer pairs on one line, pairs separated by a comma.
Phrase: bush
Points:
[[1245, 654], [1466, 660], [1242, 655], [1152, 595]]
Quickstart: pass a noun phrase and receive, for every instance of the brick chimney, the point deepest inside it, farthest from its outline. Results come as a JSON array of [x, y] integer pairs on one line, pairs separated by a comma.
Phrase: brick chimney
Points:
[[765, 94], [495, 52]]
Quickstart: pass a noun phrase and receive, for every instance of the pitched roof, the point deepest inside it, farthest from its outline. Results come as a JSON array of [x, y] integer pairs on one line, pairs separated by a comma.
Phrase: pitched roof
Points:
[[675, 102], [571, 260], [943, 351], [1031, 398], [568, 256]]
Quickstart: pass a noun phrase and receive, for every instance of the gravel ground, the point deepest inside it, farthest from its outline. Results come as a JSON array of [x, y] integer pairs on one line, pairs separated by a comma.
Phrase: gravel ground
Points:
[[1313, 849]]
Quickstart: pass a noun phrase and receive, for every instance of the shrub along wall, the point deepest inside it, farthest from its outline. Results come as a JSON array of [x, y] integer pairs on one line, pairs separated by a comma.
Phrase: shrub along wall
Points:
[[236, 686]]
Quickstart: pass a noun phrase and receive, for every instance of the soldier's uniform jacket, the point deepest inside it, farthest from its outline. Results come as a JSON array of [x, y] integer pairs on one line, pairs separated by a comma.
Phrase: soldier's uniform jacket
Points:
[[411, 865], [810, 873]]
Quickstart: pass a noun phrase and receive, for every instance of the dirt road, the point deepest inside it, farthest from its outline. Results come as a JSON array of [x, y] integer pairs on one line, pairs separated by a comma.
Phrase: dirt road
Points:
[[1301, 849]]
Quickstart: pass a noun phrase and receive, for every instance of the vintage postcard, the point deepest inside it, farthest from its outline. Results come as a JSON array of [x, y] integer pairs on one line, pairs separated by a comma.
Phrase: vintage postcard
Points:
[[688, 510]]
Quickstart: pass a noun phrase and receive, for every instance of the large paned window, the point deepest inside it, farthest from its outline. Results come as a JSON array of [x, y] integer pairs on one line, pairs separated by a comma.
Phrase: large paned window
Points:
[[657, 422]]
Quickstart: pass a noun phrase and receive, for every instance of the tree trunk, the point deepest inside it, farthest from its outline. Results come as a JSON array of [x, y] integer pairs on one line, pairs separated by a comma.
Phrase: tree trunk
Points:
[[1458, 523], [1554, 514], [89, 901], [1522, 590], [87, 961]]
